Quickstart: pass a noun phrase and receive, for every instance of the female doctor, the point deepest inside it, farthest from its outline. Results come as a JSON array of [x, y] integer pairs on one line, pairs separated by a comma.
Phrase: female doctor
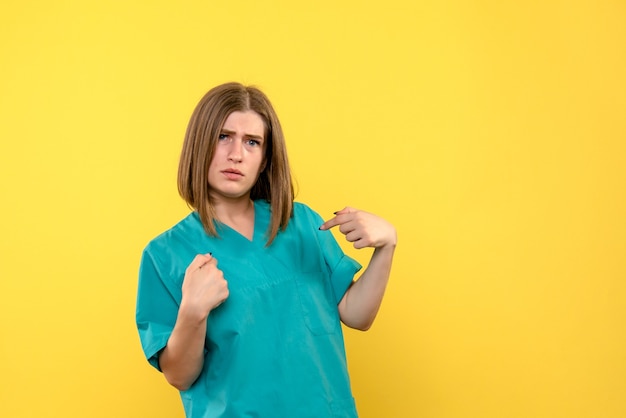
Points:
[[240, 303]]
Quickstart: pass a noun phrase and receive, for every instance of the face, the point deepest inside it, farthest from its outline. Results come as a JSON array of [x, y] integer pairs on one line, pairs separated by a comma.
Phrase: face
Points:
[[239, 156]]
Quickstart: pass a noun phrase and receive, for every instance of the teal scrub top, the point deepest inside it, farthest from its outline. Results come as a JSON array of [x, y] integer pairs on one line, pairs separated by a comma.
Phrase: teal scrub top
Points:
[[275, 347]]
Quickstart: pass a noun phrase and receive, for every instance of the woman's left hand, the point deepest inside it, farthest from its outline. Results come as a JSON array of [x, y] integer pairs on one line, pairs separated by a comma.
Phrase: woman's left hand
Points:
[[363, 229]]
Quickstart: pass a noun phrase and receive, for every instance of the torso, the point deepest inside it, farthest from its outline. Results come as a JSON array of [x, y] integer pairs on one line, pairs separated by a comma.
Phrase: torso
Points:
[[275, 346]]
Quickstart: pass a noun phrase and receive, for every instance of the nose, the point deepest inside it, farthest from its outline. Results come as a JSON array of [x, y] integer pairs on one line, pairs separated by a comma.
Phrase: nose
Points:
[[235, 151]]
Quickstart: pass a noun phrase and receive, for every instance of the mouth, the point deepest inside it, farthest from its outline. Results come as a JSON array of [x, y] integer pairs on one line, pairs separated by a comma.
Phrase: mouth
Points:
[[232, 173]]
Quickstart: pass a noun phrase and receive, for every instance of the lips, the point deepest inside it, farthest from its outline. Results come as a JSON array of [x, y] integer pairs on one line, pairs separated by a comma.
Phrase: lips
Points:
[[232, 173]]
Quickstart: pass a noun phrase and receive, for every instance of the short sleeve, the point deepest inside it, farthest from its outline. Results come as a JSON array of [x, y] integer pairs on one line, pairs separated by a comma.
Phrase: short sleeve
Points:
[[340, 267], [156, 310]]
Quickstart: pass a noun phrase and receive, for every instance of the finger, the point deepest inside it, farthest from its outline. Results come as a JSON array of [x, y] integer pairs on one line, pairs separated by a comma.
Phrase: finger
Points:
[[353, 236], [345, 210], [348, 227], [358, 240], [329, 224], [207, 263], [223, 297], [360, 243], [198, 261], [339, 218], [211, 260]]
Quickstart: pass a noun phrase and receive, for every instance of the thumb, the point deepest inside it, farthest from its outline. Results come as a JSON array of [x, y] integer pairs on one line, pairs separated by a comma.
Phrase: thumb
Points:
[[345, 210], [199, 261]]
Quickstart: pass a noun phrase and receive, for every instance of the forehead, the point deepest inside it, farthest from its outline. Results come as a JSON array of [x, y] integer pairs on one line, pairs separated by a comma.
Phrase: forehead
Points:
[[247, 122]]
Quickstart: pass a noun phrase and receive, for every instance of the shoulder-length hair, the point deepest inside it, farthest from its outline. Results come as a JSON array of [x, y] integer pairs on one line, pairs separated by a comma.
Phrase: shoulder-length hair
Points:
[[274, 183]]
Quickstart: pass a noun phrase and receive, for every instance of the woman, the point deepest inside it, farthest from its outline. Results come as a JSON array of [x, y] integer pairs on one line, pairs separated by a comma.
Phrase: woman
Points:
[[240, 303]]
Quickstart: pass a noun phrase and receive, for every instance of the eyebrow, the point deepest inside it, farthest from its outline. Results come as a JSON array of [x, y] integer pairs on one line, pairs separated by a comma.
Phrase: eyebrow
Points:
[[227, 131]]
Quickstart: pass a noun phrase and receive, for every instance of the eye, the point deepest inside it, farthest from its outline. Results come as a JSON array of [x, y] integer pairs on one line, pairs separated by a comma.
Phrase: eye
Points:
[[253, 142], [222, 137]]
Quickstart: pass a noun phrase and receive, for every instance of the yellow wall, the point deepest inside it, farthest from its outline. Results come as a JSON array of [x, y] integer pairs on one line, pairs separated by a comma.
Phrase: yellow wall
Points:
[[492, 134]]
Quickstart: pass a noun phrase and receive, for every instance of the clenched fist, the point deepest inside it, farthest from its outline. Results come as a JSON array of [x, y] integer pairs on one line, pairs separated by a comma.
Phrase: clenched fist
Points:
[[204, 287]]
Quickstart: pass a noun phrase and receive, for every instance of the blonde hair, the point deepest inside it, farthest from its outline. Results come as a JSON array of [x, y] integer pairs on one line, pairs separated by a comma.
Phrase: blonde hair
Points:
[[274, 183]]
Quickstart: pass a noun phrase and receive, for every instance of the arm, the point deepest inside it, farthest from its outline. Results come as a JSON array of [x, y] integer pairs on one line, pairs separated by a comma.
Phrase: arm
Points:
[[204, 288], [360, 303]]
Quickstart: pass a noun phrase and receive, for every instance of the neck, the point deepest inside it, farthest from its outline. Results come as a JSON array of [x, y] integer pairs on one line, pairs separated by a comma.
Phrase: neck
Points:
[[231, 211]]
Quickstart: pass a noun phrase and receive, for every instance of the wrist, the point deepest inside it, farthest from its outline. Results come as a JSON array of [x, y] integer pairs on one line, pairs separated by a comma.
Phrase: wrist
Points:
[[388, 246], [191, 313]]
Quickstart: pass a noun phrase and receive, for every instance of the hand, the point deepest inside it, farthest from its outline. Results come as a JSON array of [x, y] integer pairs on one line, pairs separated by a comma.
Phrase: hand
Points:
[[204, 287], [363, 229]]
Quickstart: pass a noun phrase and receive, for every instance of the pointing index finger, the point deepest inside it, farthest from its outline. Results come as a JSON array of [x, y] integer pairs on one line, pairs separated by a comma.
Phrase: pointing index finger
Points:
[[334, 221], [329, 223]]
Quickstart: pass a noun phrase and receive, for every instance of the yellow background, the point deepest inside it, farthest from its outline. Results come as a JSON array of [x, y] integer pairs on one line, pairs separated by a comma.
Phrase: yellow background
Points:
[[492, 134]]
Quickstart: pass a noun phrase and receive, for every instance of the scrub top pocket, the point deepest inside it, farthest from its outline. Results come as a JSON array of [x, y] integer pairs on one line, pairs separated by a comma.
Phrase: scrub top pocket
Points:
[[319, 309]]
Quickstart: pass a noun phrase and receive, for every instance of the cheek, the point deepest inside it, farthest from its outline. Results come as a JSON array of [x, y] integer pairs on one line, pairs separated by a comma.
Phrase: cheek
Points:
[[216, 158], [262, 165], [213, 167]]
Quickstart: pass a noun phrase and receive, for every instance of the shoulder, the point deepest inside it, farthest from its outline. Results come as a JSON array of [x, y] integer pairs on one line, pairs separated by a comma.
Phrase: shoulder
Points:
[[181, 232], [302, 213], [299, 207]]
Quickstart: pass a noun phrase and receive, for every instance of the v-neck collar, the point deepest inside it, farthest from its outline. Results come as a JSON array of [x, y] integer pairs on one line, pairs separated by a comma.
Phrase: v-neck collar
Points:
[[261, 223]]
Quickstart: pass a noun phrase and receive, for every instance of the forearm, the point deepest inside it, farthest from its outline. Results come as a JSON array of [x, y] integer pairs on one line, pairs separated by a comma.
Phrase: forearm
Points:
[[183, 357], [360, 304]]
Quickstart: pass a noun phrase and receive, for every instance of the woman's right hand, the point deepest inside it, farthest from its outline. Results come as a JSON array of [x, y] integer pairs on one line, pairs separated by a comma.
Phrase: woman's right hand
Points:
[[204, 287]]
